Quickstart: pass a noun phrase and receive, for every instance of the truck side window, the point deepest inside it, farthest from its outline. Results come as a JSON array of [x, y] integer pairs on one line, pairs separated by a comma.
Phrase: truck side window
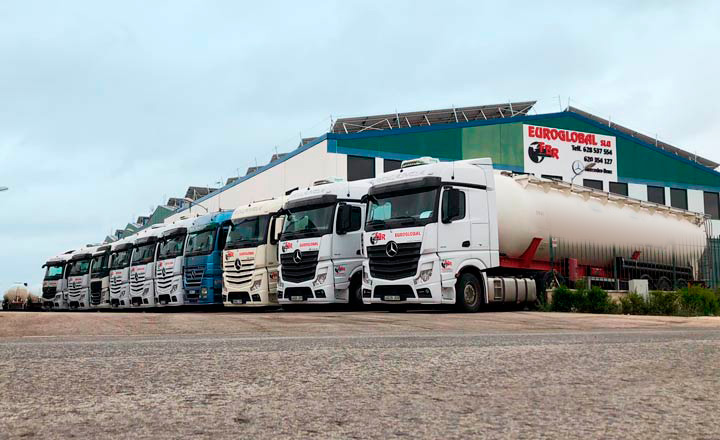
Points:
[[460, 212], [355, 218], [222, 236]]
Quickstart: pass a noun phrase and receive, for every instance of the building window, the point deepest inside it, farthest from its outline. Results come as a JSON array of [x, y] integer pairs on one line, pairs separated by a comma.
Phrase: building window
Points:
[[678, 198], [391, 165], [656, 194], [712, 205], [619, 188], [359, 168], [592, 183], [551, 177]]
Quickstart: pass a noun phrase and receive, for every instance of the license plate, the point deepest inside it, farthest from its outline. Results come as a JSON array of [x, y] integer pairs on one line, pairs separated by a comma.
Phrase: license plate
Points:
[[237, 301], [297, 298], [163, 302], [392, 297]]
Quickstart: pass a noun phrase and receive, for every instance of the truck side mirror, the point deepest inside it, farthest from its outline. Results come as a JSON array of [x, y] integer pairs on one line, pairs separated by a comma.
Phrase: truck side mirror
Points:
[[451, 206], [276, 229], [343, 219]]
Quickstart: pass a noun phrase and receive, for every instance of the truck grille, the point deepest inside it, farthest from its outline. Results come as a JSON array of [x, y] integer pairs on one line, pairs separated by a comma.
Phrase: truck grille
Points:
[[302, 271], [163, 283], [74, 290], [95, 293], [402, 265], [194, 276], [49, 292], [137, 282], [240, 277]]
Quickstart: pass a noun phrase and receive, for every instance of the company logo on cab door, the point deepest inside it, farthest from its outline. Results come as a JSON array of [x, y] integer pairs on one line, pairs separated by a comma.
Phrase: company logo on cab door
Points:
[[376, 237]]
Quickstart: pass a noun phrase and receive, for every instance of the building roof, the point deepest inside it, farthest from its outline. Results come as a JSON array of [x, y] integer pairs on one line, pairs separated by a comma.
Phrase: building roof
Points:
[[195, 192], [431, 117], [647, 139]]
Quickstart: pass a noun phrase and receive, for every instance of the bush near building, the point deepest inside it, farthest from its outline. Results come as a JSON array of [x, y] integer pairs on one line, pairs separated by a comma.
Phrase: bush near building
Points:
[[689, 301]]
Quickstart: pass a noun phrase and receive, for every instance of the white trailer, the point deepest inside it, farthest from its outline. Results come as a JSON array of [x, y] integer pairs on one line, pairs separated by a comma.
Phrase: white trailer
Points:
[[461, 233], [250, 259], [320, 245]]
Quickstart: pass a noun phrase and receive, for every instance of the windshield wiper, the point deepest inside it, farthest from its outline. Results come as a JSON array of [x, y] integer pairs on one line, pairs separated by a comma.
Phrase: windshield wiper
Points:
[[404, 220]]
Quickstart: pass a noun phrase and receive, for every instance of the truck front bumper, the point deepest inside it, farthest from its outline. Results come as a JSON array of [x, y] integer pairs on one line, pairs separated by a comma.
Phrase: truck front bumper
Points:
[[258, 292], [143, 298], [410, 290], [173, 295], [79, 301]]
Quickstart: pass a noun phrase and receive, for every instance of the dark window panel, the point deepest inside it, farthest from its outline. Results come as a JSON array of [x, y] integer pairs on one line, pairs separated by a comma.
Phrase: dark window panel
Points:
[[551, 177], [391, 165], [678, 198], [656, 194], [619, 188], [592, 183], [359, 168], [712, 205]]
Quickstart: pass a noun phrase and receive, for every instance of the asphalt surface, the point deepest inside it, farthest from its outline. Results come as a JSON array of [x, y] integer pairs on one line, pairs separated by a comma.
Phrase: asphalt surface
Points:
[[358, 375]]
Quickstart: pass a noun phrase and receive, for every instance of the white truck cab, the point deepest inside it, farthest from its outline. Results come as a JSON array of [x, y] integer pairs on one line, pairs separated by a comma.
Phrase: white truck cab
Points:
[[169, 290], [429, 234], [250, 258], [142, 267], [78, 269], [55, 281], [120, 255], [100, 278], [320, 246]]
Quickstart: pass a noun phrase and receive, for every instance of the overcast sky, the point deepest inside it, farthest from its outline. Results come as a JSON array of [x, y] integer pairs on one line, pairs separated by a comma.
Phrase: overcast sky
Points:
[[109, 108]]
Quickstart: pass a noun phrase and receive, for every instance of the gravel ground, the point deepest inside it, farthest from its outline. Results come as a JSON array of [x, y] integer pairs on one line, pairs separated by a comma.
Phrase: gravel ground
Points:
[[358, 375]]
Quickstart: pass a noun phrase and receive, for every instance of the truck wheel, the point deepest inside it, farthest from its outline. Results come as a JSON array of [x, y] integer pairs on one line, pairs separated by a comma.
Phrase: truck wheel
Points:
[[355, 293], [664, 283], [468, 293]]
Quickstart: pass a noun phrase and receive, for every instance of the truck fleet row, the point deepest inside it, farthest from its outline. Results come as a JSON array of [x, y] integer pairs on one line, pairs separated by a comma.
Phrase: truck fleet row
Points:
[[430, 232]]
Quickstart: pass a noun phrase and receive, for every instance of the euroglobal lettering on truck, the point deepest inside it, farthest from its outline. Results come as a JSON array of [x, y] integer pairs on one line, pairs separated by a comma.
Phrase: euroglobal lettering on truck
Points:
[[250, 260], [203, 272], [461, 233], [320, 245]]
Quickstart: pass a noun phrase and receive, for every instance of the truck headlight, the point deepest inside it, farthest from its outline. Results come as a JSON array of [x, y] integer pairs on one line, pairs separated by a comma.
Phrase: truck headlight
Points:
[[425, 273], [321, 277], [274, 275], [256, 284], [203, 292], [366, 277]]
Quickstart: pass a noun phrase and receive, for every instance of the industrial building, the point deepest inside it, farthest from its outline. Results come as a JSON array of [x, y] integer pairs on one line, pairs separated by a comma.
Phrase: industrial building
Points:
[[554, 145]]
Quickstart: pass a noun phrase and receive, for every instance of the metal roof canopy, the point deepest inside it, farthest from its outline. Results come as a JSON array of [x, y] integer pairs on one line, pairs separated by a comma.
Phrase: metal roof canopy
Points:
[[431, 117], [647, 139]]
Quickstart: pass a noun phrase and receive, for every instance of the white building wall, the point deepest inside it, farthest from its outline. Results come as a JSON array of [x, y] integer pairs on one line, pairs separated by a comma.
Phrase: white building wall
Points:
[[298, 171], [696, 201], [637, 191]]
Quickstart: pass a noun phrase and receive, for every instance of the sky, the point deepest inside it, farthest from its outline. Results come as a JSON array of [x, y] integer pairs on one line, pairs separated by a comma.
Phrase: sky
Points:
[[109, 108]]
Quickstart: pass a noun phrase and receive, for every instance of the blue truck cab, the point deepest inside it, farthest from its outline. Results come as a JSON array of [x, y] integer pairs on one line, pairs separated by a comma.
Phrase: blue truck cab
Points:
[[202, 276]]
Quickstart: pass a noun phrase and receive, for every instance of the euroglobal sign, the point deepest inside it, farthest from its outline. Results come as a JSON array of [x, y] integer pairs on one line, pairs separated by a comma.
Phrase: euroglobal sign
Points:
[[563, 153]]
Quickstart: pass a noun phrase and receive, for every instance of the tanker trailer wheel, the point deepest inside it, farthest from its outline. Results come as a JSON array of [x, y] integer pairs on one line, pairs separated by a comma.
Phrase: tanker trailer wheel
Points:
[[664, 283], [468, 293], [651, 283], [682, 283]]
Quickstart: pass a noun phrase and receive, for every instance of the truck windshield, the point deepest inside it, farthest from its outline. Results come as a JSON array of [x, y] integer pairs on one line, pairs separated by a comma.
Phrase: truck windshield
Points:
[[121, 259], [79, 267], [171, 247], [54, 272], [308, 221], [99, 266], [400, 209], [143, 254], [248, 232], [201, 243]]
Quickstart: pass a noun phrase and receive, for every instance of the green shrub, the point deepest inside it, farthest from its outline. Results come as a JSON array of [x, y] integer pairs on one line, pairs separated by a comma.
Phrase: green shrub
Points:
[[633, 304], [697, 300], [598, 301], [562, 299], [664, 303]]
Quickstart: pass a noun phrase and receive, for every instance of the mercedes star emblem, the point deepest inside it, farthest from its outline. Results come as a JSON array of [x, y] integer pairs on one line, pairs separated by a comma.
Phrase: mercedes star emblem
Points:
[[391, 249], [577, 167], [237, 264], [297, 256]]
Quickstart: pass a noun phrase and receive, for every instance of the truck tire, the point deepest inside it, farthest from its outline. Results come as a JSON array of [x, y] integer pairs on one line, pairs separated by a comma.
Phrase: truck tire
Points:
[[355, 293], [664, 283], [468, 293]]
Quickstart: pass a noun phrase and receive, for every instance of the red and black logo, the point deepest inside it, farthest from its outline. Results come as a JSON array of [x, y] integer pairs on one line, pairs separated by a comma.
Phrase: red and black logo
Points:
[[287, 245], [377, 236], [538, 151]]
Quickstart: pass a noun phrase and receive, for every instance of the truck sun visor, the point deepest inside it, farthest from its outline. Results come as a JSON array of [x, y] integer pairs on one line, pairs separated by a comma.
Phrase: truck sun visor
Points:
[[324, 199], [404, 185]]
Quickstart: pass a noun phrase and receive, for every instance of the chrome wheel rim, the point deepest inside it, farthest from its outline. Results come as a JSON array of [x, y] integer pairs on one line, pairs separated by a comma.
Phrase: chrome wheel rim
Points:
[[470, 294]]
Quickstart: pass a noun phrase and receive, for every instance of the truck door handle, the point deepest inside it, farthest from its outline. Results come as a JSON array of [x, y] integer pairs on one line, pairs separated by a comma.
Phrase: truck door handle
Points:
[[466, 244]]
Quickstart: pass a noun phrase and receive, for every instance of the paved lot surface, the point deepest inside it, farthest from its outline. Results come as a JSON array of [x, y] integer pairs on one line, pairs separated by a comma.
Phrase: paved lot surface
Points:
[[357, 375]]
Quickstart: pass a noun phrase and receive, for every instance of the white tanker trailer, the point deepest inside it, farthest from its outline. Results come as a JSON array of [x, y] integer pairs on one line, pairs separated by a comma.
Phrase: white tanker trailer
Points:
[[19, 298], [463, 233]]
